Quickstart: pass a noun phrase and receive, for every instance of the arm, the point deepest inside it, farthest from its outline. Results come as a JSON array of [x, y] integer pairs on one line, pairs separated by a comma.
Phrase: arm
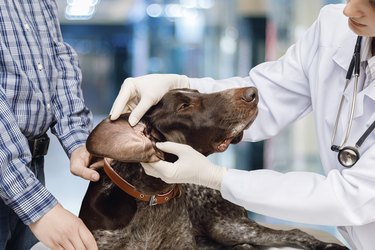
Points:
[[73, 119], [58, 228], [27, 197], [339, 199], [19, 188]]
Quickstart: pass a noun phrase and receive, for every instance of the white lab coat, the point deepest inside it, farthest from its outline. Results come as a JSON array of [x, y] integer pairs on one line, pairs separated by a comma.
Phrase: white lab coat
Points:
[[310, 77]]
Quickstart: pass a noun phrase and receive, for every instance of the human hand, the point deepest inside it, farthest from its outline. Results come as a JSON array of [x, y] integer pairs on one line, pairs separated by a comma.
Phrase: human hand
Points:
[[60, 229], [191, 167], [79, 164], [140, 93]]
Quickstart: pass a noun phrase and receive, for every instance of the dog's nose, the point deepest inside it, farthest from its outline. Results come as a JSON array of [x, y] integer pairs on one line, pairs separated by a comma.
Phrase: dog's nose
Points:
[[250, 94]]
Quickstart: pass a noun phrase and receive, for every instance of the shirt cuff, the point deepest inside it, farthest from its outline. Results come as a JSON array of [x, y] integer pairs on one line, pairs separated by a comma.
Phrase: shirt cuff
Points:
[[73, 140], [33, 203]]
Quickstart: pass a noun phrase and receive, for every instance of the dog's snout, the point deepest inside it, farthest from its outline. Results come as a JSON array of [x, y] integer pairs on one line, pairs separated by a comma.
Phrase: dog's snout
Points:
[[250, 94]]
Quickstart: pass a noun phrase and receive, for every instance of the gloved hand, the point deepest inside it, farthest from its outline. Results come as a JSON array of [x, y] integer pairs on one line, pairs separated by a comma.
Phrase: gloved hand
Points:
[[140, 93], [191, 167]]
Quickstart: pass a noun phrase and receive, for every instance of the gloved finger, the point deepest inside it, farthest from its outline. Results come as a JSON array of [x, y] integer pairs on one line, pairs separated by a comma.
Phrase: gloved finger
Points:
[[131, 105], [119, 105], [173, 147], [149, 170], [122, 99], [142, 107], [159, 168], [162, 168]]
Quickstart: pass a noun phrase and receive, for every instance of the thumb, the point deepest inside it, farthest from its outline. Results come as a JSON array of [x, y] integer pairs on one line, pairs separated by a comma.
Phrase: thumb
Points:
[[85, 173], [159, 166], [149, 170], [157, 169], [141, 109]]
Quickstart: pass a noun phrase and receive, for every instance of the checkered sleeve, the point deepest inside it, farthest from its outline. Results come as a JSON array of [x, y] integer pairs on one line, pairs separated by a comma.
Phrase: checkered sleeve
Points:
[[74, 120], [19, 188]]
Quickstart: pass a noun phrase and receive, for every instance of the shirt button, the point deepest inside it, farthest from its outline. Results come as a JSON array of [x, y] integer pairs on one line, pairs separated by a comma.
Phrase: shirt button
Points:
[[40, 67], [48, 106], [27, 27]]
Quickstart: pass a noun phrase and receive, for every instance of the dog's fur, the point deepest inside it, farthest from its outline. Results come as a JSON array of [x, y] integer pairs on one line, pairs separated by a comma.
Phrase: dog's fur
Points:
[[199, 218]]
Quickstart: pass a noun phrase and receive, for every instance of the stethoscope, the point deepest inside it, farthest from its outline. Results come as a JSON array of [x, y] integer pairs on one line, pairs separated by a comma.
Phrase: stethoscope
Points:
[[349, 155]]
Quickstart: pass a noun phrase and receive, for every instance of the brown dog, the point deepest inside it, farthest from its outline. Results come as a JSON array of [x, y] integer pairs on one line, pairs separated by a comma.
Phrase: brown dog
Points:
[[151, 214]]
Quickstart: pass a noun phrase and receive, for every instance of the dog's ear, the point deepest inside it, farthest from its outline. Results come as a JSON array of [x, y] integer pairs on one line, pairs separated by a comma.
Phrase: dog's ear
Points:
[[121, 142]]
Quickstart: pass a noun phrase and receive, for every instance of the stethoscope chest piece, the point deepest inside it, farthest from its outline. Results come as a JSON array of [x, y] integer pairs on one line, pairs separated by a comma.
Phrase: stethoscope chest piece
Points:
[[348, 156]]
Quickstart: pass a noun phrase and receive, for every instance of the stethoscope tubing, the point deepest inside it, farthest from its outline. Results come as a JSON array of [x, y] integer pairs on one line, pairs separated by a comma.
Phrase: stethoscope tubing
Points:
[[354, 66], [365, 135]]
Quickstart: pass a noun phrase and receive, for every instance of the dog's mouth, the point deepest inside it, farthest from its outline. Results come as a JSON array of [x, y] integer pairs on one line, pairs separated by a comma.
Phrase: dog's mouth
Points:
[[236, 134]]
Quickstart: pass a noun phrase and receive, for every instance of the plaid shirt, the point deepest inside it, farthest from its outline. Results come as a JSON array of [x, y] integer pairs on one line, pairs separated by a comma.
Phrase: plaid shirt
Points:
[[39, 89]]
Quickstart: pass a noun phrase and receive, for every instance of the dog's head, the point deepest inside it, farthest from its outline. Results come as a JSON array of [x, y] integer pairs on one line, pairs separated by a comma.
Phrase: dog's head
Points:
[[207, 122]]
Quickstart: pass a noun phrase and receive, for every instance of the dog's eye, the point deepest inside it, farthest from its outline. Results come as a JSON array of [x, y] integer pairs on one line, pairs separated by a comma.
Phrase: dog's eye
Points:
[[183, 106]]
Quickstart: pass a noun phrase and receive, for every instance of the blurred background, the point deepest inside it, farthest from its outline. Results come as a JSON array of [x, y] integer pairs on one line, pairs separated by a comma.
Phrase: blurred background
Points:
[[116, 39]]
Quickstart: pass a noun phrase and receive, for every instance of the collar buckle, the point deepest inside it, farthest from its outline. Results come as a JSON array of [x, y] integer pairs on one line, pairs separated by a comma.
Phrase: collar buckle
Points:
[[153, 201]]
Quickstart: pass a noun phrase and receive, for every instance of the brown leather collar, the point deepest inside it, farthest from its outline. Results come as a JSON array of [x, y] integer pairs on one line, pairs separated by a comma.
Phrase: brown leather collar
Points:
[[132, 191]]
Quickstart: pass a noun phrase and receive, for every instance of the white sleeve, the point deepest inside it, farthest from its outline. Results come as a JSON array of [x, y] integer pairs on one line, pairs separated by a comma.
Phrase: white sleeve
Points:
[[342, 198]]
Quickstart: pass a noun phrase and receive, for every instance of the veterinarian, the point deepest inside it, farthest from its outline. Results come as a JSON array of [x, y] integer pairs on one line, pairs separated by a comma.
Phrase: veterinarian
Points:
[[310, 77], [40, 90]]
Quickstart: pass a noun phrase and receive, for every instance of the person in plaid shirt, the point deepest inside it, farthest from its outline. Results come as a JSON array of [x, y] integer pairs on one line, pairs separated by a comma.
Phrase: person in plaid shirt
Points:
[[39, 90]]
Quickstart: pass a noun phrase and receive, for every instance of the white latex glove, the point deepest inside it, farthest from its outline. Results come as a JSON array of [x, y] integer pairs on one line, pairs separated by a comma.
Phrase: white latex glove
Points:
[[140, 93], [191, 167]]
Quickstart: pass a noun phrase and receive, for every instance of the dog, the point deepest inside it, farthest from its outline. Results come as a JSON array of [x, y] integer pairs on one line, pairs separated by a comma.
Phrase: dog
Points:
[[148, 213]]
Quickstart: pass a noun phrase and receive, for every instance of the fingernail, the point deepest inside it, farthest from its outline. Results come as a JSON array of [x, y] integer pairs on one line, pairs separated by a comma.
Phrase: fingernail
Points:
[[112, 117], [94, 177], [132, 121]]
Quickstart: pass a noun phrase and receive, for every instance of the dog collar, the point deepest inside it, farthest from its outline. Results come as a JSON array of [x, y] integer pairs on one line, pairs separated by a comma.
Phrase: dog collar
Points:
[[132, 191]]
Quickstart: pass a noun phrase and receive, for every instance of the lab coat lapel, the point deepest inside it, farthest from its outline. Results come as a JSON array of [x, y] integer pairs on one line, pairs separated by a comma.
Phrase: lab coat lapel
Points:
[[342, 57], [344, 53], [371, 91]]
